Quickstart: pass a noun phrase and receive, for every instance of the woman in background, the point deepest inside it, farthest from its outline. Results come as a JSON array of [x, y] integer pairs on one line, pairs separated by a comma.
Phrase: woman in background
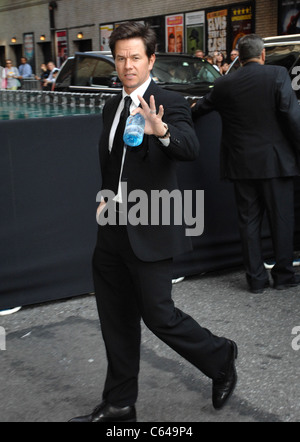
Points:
[[219, 62], [10, 77]]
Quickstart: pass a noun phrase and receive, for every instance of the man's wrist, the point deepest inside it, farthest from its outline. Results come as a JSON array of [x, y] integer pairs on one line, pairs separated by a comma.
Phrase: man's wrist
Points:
[[165, 132]]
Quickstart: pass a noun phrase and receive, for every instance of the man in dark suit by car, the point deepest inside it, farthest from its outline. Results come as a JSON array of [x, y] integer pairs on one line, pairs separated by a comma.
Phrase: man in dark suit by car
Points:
[[133, 263], [260, 146]]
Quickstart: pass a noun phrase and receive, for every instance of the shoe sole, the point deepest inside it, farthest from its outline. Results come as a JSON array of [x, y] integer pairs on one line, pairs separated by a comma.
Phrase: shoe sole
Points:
[[236, 350], [130, 420], [10, 311], [109, 420], [261, 290], [285, 286]]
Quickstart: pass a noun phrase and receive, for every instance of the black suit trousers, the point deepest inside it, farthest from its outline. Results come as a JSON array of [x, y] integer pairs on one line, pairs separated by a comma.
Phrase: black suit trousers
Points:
[[128, 290], [276, 198]]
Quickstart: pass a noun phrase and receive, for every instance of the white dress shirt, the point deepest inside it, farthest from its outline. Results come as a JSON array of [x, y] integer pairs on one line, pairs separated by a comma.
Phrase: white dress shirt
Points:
[[134, 105]]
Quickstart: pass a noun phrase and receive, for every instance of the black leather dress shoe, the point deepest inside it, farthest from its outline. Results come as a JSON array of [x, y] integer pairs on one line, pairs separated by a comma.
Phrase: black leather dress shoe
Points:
[[259, 290], [108, 413], [224, 386], [294, 282]]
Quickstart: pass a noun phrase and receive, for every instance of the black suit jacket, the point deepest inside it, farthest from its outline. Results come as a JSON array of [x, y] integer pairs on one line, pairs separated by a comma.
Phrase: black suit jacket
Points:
[[152, 166], [261, 122]]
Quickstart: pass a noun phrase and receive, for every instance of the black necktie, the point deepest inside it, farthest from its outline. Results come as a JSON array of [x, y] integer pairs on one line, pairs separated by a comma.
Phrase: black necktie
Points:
[[116, 155], [118, 144]]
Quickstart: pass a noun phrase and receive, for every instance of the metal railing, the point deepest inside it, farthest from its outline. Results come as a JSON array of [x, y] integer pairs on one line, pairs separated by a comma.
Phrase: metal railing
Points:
[[30, 84], [71, 99], [68, 99]]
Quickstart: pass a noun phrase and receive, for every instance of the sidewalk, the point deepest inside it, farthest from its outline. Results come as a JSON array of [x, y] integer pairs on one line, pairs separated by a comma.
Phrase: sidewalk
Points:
[[54, 365]]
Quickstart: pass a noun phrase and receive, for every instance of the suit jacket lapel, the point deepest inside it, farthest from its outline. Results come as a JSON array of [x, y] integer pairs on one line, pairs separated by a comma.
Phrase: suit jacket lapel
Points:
[[110, 115], [152, 90], [107, 124]]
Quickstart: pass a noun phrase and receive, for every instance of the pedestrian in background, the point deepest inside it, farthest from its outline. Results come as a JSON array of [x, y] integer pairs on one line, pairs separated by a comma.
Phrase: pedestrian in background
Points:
[[2, 83], [235, 63], [48, 82], [10, 76], [25, 70], [219, 62], [260, 145], [44, 74]]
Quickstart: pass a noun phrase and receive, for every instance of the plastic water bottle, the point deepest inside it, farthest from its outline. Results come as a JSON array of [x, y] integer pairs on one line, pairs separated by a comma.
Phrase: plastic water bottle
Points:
[[134, 130]]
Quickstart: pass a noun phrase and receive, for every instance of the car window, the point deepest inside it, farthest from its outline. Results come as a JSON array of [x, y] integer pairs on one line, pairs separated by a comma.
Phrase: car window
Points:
[[183, 70], [285, 55], [94, 72], [65, 75]]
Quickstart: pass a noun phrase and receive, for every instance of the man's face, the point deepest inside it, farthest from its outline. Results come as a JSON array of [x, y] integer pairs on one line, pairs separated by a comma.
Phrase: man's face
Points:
[[132, 63], [233, 55]]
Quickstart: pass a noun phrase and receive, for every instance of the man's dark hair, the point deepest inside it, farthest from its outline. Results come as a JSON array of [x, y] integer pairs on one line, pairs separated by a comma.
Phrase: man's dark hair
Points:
[[129, 30], [250, 46]]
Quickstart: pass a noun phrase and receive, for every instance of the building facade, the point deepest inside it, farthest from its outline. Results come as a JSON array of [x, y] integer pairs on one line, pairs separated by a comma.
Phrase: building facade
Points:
[[43, 30]]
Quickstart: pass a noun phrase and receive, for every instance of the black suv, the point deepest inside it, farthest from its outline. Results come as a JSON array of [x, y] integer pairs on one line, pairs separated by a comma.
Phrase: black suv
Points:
[[94, 72]]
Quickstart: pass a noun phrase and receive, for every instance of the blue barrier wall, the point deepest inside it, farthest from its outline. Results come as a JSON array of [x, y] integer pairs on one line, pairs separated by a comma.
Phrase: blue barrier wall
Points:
[[49, 178]]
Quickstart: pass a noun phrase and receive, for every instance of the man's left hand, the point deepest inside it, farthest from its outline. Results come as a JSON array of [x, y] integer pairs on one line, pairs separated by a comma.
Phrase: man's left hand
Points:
[[154, 124]]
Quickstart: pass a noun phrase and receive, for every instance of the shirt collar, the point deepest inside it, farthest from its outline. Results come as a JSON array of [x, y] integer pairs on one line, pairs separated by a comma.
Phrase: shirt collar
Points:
[[139, 91]]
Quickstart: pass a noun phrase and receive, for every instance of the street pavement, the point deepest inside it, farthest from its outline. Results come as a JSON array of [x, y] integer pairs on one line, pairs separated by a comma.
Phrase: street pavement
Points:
[[54, 364]]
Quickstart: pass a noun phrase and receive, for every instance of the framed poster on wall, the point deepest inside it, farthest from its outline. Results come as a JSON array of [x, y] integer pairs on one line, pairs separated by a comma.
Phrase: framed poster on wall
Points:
[[105, 33], [195, 31], [175, 33], [288, 17], [61, 38], [217, 31], [242, 22], [29, 52]]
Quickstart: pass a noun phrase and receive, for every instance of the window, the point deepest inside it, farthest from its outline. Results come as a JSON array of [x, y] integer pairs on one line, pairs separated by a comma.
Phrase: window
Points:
[[181, 70], [285, 55], [65, 75], [94, 72]]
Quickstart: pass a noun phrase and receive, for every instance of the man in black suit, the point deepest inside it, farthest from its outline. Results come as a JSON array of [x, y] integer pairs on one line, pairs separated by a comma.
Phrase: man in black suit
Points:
[[133, 263], [260, 145]]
